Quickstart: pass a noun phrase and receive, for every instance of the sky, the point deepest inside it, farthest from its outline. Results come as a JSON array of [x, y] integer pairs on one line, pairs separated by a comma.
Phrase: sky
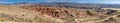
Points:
[[76, 1]]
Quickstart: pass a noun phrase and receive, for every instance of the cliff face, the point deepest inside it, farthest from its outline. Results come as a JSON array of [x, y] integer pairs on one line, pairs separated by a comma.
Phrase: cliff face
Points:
[[47, 14]]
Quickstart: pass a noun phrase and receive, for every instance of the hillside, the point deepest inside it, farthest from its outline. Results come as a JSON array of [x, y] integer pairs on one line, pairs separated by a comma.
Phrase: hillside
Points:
[[28, 13]]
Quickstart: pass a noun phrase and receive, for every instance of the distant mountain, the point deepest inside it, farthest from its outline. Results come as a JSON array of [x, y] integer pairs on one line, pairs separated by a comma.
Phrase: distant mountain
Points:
[[68, 4], [73, 5]]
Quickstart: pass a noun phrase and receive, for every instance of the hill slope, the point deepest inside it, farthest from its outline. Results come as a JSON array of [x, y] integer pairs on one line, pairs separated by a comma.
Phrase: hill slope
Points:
[[47, 14]]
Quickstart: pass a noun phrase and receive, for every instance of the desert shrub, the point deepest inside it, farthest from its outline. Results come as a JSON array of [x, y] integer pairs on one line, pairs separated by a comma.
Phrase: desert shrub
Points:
[[110, 11]]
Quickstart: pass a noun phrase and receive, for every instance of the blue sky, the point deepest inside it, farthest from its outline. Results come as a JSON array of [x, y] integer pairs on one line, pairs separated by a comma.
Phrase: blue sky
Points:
[[77, 1]]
